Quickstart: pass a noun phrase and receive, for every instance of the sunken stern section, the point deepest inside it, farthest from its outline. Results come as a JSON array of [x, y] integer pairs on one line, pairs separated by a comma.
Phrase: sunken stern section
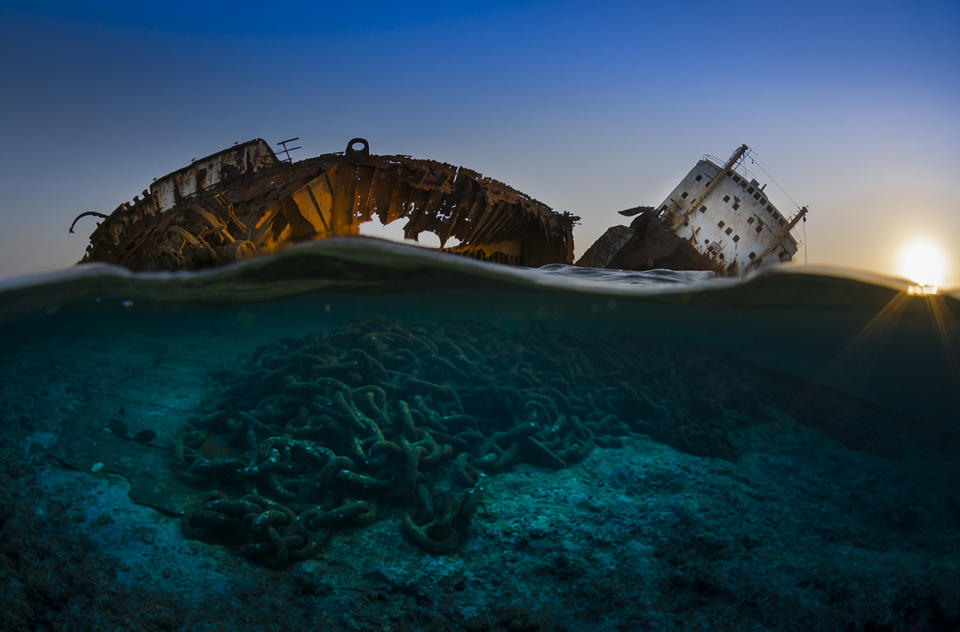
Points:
[[244, 201], [715, 219]]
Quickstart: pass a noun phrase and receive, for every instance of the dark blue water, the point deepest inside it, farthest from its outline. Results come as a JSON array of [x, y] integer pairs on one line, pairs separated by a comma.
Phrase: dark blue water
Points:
[[433, 439]]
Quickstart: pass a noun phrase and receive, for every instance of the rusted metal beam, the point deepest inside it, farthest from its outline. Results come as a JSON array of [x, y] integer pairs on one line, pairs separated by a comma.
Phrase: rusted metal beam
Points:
[[260, 209]]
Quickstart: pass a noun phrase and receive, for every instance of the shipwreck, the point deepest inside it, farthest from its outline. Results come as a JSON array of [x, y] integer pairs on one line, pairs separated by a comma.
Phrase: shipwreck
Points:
[[715, 219], [245, 201]]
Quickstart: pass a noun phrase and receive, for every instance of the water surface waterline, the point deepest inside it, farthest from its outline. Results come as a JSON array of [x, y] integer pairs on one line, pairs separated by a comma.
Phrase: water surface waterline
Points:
[[710, 449]]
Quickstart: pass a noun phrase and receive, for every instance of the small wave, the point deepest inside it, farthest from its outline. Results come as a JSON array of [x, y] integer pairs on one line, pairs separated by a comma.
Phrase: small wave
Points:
[[363, 265]]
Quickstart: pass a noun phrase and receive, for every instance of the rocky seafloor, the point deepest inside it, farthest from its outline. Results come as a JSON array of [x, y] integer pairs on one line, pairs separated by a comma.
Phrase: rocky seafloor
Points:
[[798, 534], [795, 531]]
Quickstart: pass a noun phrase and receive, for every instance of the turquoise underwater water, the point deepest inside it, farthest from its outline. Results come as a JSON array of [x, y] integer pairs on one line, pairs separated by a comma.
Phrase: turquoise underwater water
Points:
[[267, 411]]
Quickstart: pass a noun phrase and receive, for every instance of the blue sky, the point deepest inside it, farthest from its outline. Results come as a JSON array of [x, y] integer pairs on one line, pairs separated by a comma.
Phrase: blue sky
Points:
[[589, 107]]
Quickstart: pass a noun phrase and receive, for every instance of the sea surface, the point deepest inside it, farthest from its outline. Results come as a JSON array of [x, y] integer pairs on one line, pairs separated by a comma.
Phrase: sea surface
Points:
[[362, 435]]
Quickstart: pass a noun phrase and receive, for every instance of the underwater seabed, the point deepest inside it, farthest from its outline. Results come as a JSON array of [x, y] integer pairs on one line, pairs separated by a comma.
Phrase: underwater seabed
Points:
[[362, 436]]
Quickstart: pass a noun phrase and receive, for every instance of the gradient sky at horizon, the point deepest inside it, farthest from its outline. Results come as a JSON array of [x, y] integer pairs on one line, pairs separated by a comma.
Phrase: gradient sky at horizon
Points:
[[588, 107]]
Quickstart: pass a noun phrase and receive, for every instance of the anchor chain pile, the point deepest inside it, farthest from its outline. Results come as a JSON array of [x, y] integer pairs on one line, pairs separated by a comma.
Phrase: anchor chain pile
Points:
[[379, 418]]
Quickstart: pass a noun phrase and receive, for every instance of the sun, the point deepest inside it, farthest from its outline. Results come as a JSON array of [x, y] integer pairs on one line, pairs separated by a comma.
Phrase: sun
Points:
[[922, 261]]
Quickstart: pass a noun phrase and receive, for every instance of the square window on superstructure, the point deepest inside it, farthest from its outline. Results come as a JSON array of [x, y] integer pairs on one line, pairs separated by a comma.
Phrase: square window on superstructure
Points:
[[749, 220], [736, 238], [756, 196], [769, 208], [736, 206], [728, 231], [721, 224], [726, 198], [703, 209], [684, 195], [750, 190]]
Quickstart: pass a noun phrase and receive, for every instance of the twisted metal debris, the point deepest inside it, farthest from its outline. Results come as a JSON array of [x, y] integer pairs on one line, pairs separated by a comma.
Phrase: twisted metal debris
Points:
[[243, 201], [378, 418]]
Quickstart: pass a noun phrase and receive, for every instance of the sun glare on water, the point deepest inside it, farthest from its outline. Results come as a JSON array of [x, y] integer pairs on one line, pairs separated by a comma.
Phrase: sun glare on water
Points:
[[923, 262]]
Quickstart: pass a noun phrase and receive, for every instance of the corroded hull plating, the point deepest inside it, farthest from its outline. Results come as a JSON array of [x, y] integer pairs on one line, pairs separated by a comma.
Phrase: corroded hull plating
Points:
[[243, 202]]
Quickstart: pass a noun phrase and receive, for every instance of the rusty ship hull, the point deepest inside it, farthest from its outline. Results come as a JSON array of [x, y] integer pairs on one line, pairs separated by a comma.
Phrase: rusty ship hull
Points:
[[244, 201]]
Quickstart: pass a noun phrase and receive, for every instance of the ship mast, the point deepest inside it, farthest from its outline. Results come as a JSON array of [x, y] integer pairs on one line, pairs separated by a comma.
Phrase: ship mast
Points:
[[679, 218], [779, 238]]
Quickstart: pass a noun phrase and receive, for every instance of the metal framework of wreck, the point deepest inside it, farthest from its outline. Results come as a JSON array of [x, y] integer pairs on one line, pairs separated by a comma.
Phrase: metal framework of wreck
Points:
[[244, 201], [714, 219]]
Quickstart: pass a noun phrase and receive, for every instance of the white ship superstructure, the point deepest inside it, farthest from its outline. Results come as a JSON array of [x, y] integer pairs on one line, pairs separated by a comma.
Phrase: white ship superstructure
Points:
[[729, 218]]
